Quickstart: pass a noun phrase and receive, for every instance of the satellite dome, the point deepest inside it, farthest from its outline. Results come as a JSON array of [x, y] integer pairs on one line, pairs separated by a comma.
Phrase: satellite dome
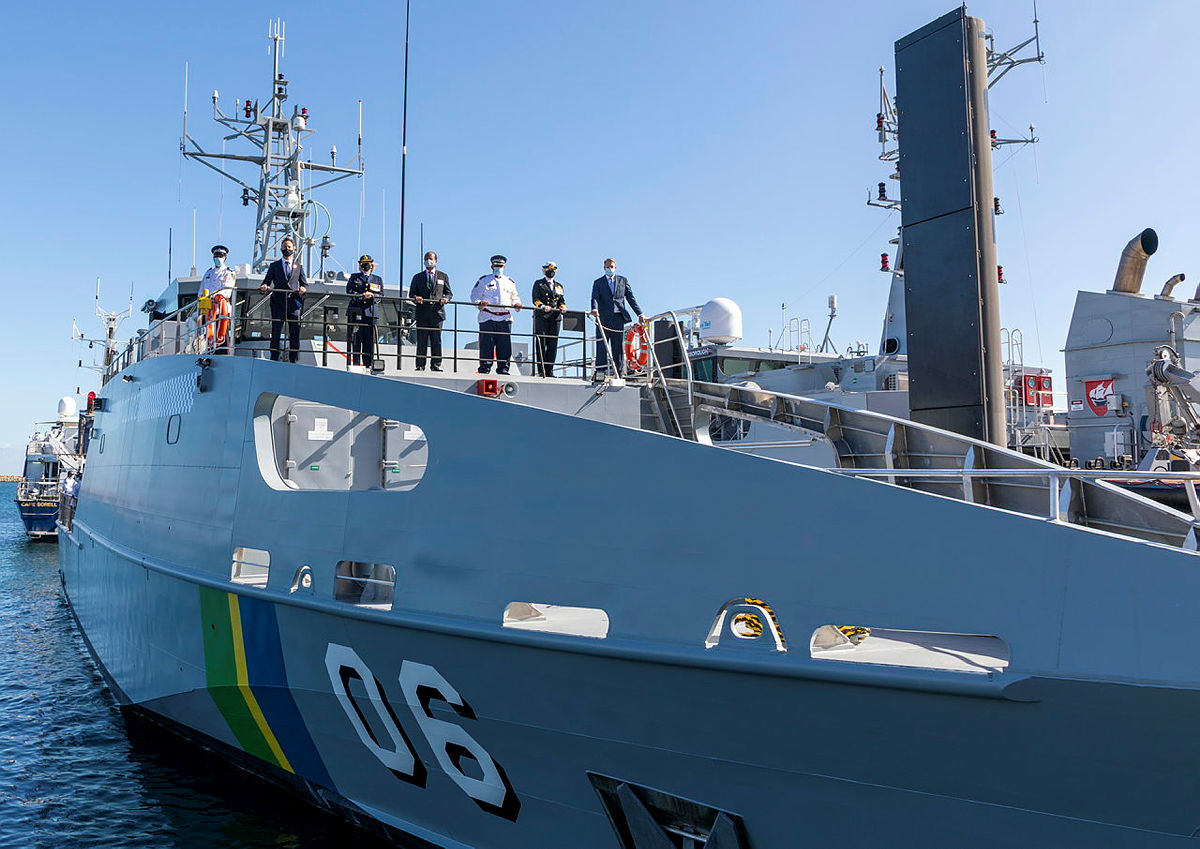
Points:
[[68, 411], [720, 322]]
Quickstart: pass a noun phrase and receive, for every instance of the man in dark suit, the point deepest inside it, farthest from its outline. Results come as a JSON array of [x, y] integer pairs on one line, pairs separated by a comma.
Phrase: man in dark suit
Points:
[[610, 293], [430, 290], [287, 284]]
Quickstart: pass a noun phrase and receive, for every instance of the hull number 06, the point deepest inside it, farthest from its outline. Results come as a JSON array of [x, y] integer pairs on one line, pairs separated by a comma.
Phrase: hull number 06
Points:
[[458, 754]]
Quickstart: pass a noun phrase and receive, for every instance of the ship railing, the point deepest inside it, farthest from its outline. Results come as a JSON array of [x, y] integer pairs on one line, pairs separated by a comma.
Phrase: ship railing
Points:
[[66, 509], [325, 324], [675, 413], [904, 453]]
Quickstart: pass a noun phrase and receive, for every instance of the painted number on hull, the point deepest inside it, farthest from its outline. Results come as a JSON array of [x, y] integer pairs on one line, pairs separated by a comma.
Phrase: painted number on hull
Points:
[[460, 755]]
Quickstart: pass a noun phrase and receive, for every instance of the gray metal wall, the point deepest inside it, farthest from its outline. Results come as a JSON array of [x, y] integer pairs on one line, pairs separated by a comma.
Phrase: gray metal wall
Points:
[[955, 377], [1113, 335]]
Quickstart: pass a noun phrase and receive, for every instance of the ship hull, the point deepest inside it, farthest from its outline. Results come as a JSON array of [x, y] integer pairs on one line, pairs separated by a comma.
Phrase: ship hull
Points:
[[39, 517], [432, 720]]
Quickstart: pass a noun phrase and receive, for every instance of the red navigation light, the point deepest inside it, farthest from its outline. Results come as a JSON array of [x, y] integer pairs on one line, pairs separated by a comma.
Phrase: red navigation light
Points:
[[992, 133], [999, 273], [246, 109], [91, 402], [879, 121], [304, 112], [883, 263]]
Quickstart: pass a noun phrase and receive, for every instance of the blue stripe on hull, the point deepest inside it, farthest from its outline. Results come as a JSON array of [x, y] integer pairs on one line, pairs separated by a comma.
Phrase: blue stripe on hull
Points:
[[268, 681]]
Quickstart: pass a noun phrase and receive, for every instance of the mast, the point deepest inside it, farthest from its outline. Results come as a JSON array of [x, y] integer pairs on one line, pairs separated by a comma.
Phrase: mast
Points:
[[277, 139], [404, 141]]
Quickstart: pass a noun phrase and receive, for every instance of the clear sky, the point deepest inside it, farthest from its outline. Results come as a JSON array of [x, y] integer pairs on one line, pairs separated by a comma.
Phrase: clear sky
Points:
[[716, 149]]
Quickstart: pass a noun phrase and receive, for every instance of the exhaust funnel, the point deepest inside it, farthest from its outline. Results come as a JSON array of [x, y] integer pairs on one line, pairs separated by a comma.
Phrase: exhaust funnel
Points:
[[1132, 267]]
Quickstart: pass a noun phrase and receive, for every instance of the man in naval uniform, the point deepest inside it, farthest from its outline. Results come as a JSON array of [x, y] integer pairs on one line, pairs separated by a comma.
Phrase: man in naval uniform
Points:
[[549, 304], [496, 296], [430, 290], [287, 284], [221, 284], [365, 289], [609, 295]]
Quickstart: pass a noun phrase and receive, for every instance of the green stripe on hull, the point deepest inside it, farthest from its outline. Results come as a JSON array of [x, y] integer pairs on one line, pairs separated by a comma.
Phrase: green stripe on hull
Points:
[[220, 671]]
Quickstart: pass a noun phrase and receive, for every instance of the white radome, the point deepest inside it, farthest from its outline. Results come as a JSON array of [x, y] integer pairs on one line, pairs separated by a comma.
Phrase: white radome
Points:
[[68, 411], [720, 322]]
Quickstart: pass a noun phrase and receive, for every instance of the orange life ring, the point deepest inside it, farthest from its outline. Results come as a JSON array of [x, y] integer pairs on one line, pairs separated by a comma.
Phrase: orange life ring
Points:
[[637, 347], [217, 320]]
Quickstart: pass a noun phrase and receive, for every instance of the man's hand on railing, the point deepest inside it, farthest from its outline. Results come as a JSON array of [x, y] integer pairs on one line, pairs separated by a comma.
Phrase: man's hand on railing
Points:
[[264, 288], [417, 299]]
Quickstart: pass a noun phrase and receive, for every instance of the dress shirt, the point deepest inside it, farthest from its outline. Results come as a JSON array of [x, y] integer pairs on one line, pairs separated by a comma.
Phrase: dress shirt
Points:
[[499, 292]]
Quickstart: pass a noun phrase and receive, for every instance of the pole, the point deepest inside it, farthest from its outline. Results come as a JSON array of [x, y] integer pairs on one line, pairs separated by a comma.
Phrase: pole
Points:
[[404, 141]]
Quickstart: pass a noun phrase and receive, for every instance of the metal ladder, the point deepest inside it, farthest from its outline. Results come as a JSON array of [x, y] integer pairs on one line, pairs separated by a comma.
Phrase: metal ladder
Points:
[[672, 398]]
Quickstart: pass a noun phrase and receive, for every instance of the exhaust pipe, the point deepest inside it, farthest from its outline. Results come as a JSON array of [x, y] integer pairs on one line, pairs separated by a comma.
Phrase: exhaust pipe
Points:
[[1170, 285], [1132, 267]]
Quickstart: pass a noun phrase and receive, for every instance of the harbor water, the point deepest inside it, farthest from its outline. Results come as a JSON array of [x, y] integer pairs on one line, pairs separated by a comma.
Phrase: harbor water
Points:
[[75, 772]]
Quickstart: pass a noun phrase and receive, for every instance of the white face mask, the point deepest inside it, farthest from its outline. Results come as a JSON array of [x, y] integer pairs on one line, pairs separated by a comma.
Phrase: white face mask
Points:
[[498, 270], [218, 261], [430, 263], [610, 271]]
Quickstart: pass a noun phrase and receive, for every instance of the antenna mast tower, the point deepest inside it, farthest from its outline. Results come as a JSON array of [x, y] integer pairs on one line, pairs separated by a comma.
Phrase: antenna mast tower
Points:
[[283, 208]]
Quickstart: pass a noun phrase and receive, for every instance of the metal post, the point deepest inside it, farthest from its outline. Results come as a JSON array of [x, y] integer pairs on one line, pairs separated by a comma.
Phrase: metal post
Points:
[[989, 290], [404, 141]]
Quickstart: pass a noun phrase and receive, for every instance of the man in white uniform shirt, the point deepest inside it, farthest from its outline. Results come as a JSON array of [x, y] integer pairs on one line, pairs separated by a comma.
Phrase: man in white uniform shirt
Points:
[[496, 296], [221, 284]]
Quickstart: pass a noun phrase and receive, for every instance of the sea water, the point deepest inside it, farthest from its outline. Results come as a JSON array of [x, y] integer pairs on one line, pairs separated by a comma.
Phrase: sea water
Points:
[[75, 772]]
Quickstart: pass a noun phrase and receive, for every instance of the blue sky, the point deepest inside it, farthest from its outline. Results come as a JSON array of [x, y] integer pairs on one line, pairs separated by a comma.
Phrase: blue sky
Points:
[[715, 149]]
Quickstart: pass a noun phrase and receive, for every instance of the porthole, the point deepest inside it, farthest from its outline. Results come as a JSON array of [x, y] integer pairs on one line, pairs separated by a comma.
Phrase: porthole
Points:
[[173, 424]]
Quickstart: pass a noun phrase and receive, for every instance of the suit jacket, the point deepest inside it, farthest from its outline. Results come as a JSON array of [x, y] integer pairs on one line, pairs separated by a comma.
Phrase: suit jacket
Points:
[[281, 301], [427, 313], [610, 303]]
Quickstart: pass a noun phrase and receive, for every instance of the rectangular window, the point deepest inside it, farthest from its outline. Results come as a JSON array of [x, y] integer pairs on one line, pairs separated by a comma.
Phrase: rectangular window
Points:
[[250, 567], [556, 619], [365, 584]]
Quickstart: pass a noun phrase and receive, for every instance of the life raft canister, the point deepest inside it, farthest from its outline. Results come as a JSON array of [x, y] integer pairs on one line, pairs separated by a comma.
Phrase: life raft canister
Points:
[[637, 347]]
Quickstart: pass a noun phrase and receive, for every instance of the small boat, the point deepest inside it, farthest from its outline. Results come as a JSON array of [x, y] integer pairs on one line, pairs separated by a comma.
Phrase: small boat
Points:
[[52, 454]]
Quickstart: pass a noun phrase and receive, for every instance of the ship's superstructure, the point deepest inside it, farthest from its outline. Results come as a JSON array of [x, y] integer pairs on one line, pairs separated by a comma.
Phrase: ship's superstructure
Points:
[[381, 589]]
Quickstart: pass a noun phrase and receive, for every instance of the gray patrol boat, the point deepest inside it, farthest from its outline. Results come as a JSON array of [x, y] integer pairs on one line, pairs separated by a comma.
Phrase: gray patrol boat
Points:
[[367, 585]]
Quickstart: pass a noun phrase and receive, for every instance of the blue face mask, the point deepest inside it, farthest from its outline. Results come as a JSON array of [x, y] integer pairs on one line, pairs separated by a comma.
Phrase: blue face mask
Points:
[[610, 271]]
